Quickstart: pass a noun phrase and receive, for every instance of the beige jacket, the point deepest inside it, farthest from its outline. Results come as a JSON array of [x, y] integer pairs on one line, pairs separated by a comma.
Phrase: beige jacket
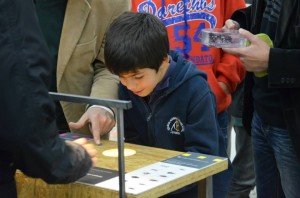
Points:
[[80, 65]]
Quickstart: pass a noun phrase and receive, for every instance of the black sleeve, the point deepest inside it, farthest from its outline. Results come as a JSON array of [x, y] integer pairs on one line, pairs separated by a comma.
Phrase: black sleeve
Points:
[[243, 17], [289, 59], [28, 131]]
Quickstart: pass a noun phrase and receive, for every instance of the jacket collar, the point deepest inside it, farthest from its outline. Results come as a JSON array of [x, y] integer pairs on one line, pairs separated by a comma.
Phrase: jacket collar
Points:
[[75, 19]]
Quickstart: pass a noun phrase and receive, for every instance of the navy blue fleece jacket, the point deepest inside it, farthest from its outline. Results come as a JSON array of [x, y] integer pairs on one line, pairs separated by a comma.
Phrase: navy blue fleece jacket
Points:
[[180, 115]]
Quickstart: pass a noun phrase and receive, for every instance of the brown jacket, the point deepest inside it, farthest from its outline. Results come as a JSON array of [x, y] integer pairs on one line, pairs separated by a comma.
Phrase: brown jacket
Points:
[[80, 67]]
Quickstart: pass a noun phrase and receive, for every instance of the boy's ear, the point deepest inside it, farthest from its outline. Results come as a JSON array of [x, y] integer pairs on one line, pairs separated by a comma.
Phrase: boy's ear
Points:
[[166, 59], [166, 62]]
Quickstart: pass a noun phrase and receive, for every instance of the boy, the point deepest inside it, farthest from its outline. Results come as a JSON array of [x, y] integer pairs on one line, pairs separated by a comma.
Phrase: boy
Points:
[[173, 106], [184, 20]]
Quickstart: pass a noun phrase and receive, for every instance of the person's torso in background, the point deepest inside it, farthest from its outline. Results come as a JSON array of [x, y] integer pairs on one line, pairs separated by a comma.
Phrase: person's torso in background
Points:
[[267, 100], [51, 17], [184, 21]]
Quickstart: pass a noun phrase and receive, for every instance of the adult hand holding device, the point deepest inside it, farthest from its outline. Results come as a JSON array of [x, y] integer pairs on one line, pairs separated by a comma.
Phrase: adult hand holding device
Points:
[[255, 57]]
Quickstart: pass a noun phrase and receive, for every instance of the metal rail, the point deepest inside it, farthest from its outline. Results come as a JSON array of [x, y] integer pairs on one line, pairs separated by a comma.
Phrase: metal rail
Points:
[[120, 105]]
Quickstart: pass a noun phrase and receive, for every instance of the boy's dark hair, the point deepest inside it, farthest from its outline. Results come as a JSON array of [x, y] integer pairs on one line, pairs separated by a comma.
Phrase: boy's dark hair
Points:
[[135, 41]]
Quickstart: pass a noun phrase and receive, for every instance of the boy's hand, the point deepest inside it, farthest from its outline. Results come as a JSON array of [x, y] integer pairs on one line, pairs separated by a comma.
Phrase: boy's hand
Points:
[[100, 120], [224, 87], [90, 149]]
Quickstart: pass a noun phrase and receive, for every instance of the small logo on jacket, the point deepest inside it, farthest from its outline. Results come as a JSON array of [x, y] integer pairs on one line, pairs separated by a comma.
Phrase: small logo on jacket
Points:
[[175, 126]]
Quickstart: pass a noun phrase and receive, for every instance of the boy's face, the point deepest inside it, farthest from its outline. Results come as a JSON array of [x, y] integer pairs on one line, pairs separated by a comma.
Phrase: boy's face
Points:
[[143, 81]]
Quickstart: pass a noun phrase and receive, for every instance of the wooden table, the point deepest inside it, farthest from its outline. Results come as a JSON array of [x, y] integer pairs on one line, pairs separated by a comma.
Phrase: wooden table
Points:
[[36, 188]]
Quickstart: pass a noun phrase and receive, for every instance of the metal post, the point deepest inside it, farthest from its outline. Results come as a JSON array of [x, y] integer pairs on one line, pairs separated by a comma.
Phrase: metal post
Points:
[[120, 105], [121, 160]]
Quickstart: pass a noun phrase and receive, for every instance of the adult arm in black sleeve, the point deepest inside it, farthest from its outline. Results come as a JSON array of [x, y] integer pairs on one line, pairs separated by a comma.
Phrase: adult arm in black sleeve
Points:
[[28, 132]]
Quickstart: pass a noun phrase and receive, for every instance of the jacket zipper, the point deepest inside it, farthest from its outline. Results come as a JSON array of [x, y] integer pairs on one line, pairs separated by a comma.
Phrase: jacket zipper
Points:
[[149, 117], [151, 136]]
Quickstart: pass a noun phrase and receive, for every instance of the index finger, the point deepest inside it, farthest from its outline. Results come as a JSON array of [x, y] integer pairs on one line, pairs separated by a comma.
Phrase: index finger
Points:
[[95, 128], [80, 141]]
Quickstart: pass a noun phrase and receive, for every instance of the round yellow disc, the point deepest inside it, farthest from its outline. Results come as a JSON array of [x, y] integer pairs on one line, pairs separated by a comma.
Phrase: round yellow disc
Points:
[[114, 152]]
